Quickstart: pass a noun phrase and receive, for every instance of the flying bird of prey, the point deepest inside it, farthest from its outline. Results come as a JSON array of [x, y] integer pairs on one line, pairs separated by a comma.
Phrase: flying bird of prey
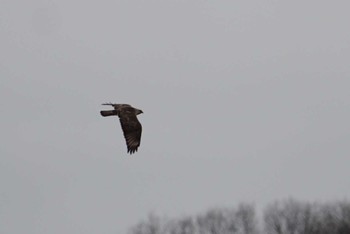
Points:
[[131, 126]]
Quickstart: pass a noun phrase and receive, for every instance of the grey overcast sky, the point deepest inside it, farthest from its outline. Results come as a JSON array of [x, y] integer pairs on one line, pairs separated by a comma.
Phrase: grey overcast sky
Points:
[[244, 101]]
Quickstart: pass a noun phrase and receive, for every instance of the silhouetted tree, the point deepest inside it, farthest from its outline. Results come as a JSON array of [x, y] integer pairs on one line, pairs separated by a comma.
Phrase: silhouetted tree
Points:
[[282, 217], [182, 226], [217, 221], [292, 217], [154, 225], [245, 216]]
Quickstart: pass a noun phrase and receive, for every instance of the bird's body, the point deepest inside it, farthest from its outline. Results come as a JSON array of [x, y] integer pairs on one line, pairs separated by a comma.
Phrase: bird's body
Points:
[[131, 126]]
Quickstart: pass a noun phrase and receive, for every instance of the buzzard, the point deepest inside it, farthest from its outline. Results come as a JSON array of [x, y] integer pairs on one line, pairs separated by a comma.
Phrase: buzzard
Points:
[[130, 124]]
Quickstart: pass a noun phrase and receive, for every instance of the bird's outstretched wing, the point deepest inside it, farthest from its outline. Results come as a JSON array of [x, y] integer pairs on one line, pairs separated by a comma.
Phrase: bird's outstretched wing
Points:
[[132, 130]]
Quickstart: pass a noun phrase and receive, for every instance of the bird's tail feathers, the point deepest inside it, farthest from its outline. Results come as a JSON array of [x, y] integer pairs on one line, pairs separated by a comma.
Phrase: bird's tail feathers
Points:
[[108, 104], [108, 113]]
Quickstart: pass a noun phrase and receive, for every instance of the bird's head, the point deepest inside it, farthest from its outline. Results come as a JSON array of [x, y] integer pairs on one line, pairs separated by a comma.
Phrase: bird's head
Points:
[[138, 111]]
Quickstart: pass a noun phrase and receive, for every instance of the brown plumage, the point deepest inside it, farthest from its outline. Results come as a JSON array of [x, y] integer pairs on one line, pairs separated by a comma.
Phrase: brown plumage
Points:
[[131, 126]]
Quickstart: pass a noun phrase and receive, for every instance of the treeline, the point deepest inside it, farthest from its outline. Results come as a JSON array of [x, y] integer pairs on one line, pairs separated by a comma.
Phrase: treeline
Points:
[[282, 217]]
